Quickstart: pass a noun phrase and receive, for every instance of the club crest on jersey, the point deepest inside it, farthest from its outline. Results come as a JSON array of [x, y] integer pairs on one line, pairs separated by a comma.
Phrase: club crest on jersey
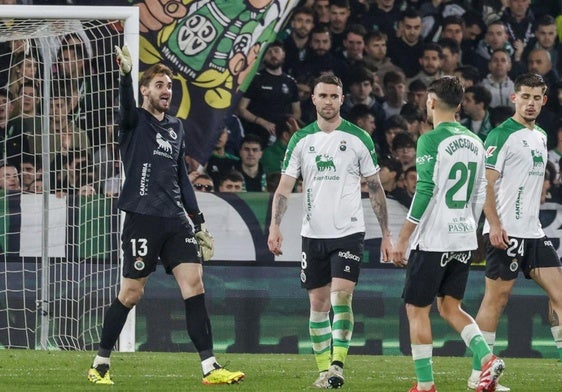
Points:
[[163, 143], [325, 163], [139, 264], [311, 149], [172, 134], [343, 145], [537, 158], [490, 151]]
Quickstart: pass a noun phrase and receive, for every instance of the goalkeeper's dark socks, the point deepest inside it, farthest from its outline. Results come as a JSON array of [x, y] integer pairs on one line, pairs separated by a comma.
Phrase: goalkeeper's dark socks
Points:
[[199, 325], [338, 363], [113, 323]]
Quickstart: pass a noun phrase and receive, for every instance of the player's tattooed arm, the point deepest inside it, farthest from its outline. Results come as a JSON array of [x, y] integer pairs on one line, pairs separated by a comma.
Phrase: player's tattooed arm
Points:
[[378, 202], [279, 208]]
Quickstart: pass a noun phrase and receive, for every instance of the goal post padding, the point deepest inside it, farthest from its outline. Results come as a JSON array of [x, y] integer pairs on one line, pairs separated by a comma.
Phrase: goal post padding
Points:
[[60, 228]]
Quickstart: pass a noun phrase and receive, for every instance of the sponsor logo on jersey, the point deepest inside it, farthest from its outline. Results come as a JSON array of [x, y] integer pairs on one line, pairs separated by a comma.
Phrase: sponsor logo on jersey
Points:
[[518, 209], [139, 264], [424, 159], [164, 147], [348, 256], [537, 158], [325, 163], [490, 151], [145, 178], [461, 227]]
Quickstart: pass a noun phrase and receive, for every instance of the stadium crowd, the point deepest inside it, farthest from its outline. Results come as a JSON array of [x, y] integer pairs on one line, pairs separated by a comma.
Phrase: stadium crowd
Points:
[[385, 51]]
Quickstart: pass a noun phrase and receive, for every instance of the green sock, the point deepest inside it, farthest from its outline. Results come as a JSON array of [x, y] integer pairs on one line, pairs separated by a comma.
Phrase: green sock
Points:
[[481, 347], [321, 336], [423, 363], [342, 328]]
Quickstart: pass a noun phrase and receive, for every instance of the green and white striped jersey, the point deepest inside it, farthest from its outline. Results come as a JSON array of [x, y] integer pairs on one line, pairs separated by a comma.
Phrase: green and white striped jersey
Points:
[[451, 189], [331, 165], [519, 154]]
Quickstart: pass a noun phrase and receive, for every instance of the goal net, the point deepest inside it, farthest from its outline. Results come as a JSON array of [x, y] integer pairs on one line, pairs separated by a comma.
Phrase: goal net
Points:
[[59, 172]]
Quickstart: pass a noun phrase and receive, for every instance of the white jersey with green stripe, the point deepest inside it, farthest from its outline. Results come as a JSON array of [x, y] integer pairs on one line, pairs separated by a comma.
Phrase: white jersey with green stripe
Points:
[[519, 154], [331, 165], [450, 191]]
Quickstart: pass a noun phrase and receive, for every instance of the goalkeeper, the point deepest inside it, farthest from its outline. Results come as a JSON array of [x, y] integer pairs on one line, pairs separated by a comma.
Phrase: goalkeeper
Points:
[[157, 197]]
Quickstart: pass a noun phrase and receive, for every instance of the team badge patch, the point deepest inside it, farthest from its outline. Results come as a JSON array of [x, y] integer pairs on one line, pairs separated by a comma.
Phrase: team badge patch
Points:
[[139, 264], [514, 265], [303, 276]]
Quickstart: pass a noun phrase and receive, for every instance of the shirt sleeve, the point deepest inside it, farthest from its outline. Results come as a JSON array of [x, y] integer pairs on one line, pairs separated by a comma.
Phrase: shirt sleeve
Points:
[[127, 104], [426, 157]]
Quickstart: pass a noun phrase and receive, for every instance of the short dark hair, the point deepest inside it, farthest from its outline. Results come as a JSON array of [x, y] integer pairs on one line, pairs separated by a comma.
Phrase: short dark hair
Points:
[[393, 77], [357, 29], [327, 78], [359, 111], [469, 72], [432, 46], [375, 35], [450, 43], [544, 20], [452, 20], [529, 80], [411, 112], [396, 121], [233, 175], [481, 95], [252, 139], [359, 74], [417, 85], [403, 140], [303, 10], [393, 165], [448, 89]]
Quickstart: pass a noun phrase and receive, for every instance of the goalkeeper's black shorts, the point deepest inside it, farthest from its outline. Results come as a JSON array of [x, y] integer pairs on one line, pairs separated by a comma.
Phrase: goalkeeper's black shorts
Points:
[[147, 238]]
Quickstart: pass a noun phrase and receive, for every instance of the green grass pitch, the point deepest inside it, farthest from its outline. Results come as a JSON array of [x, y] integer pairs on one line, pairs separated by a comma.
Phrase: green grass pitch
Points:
[[62, 371]]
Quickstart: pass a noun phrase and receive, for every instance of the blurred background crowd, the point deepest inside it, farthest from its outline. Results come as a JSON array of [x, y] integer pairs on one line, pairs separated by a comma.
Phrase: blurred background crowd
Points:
[[386, 52]]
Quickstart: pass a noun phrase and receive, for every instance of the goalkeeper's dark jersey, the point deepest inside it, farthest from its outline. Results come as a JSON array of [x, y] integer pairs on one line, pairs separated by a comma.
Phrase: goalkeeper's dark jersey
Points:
[[152, 151]]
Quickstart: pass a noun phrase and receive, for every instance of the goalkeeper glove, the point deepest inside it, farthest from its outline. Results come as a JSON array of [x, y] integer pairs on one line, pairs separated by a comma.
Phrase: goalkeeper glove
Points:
[[124, 60], [204, 238]]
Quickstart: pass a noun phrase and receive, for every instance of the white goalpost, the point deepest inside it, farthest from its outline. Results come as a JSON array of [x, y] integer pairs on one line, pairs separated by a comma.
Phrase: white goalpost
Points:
[[60, 263]]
